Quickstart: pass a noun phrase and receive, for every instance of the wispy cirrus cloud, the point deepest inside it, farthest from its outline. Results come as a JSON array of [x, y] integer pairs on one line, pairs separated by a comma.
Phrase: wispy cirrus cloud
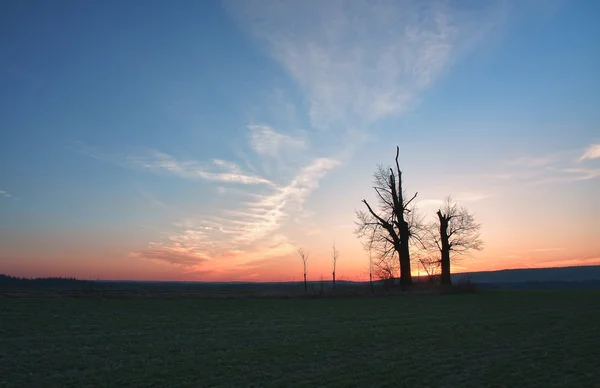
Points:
[[5, 194], [246, 230], [217, 171], [582, 174], [430, 202], [460, 197], [557, 167], [243, 235], [592, 152], [471, 196], [563, 175], [266, 214], [196, 246], [549, 249], [266, 141], [360, 61], [279, 153], [172, 256], [154, 161], [534, 161]]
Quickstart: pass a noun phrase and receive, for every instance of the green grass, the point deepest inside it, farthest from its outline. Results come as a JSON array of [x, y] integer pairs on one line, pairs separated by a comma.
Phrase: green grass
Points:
[[512, 339]]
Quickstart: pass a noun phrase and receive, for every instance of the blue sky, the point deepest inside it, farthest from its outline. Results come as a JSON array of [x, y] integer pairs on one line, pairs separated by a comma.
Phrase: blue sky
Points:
[[208, 140]]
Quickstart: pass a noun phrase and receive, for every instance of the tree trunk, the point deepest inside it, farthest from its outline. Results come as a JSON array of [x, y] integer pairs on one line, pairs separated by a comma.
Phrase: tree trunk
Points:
[[333, 280], [445, 249], [446, 279], [305, 287], [404, 255]]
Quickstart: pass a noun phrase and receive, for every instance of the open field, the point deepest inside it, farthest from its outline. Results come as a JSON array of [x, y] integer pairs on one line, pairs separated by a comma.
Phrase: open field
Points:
[[503, 338]]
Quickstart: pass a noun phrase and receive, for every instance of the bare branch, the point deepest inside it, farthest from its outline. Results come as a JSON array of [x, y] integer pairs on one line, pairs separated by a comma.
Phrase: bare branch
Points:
[[385, 201], [410, 200], [381, 220]]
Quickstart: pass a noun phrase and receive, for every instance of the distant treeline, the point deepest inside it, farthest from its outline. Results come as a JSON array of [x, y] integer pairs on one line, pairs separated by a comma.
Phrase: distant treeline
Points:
[[60, 282], [536, 278]]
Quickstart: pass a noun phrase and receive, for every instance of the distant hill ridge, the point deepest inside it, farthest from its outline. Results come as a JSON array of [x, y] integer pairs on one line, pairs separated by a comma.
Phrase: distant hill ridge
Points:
[[505, 276], [553, 274]]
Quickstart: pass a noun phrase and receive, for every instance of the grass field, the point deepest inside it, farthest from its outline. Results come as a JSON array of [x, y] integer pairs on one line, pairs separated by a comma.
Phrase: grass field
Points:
[[508, 338]]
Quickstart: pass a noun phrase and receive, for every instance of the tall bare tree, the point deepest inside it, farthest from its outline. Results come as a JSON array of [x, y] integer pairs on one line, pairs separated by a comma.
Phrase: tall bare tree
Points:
[[304, 257], [335, 254], [394, 223], [457, 232]]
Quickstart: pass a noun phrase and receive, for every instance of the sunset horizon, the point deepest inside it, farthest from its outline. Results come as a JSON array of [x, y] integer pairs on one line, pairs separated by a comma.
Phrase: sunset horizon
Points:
[[210, 141]]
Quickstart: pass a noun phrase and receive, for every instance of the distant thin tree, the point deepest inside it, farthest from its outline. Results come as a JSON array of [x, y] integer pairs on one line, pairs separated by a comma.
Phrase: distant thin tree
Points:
[[335, 254], [304, 257], [370, 268], [455, 232], [367, 244]]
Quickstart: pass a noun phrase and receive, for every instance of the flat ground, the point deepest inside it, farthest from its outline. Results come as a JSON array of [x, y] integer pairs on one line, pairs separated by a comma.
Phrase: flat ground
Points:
[[517, 339]]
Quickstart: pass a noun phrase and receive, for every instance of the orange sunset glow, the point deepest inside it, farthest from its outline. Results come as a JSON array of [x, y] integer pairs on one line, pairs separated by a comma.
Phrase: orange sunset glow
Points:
[[213, 147]]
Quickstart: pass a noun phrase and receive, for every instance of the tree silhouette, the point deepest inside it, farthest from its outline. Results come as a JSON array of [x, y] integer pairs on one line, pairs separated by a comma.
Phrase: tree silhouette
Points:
[[431, 266], [335, 254], [304, 257], [456, 231], [395, 223]]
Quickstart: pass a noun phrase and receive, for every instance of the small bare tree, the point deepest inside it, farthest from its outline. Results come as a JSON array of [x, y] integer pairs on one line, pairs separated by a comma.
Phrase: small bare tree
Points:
[[334, 255], [386, 269], [392, 226], [304, 257], [431, 266], [371, 268], [456, 232]]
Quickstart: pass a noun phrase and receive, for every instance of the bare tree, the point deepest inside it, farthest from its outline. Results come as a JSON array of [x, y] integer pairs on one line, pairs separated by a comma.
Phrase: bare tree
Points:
[[304, 257], [431, 266], [457, 232], [334, 255], [368, 246], [392, 226], [386, 269]]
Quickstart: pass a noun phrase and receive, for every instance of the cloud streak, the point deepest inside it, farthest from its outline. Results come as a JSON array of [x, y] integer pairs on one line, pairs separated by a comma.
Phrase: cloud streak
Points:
[[531, 161], [280, 154], [222, 171], [552, 249], [239, 236], [265, 141], [592, 152], [266, 214], [360, 61], [5, 194], [172, 256], [162, 163], [559, 167]]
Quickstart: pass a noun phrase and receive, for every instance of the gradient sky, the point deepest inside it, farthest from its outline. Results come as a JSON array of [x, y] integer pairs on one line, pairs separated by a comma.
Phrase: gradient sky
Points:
[[197, 140]]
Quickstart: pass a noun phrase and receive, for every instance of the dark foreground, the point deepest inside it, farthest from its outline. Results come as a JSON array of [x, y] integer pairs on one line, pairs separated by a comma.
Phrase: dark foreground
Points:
[[504, 338]]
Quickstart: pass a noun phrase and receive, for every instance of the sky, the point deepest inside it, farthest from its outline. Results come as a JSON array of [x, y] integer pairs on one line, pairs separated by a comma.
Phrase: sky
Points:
[[210, 140]]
